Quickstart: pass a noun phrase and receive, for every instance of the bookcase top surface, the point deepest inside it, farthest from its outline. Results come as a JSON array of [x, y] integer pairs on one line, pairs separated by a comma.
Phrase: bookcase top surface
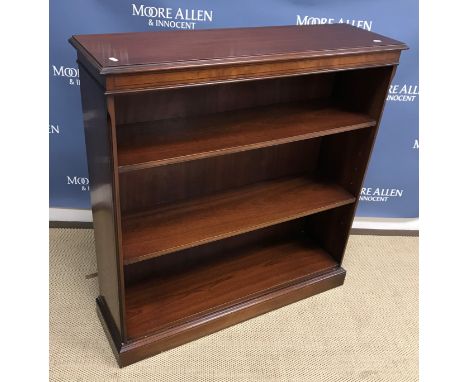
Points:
[[149, 51]]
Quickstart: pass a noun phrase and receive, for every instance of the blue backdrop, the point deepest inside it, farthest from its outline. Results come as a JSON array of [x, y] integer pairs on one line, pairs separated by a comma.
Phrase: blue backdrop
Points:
[[391, 185]]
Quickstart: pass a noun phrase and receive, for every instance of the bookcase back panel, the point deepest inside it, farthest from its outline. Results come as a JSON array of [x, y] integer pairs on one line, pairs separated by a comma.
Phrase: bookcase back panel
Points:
[[197, 100], [178, 261], [326, 229], [148, 188], [357, 90], [199, 281]]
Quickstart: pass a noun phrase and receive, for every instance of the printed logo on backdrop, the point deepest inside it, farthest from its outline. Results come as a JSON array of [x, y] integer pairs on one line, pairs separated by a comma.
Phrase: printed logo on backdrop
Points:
[[378, 194], [403, 93], [312, 20], [175, 18], [416, 144], [54, 129], [69, 74], [77, 181]]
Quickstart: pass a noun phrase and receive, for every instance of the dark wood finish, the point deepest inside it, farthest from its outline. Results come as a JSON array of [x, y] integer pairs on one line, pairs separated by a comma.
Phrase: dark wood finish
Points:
[[137, 350], [171, 299], [185, 259], [175, 140], [203, 220], [214, 204], [192, 101], [101, 170], [330, 230], [113, 333], [213, 56], [157, 186], [345, 159], [191, 77], [143, 52]]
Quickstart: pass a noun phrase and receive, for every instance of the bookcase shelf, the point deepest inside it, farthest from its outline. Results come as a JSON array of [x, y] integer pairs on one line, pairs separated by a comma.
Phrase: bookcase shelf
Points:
[[209, 287], [230, 213], [167, 141], [225, 167]]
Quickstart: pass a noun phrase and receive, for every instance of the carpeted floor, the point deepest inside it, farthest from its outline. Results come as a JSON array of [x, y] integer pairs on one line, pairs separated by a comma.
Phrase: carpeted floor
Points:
[[366, 330]]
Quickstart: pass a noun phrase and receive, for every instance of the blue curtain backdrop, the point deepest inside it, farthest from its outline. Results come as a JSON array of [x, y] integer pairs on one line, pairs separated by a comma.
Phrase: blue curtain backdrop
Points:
[[391, 185]]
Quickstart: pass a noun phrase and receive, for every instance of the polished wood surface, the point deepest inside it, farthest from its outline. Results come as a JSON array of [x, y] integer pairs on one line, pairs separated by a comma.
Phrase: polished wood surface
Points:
[[144, 347], [143, 50], [175, 140], [193, 101], [183, 78], [101, 161], [345, 159], [228, 279], [203, 220], [182, 260], [225, 169], [162, 185]]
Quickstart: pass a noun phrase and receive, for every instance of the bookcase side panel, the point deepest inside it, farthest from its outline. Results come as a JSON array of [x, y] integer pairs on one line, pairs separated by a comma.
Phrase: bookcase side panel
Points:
[[98, 139], [344, 157]]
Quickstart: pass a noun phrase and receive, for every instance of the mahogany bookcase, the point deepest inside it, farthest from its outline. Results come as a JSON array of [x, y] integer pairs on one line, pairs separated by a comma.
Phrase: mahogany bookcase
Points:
[[225, 168]]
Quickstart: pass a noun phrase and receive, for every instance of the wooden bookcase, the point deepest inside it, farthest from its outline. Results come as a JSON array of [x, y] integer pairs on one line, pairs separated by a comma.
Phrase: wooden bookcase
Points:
[[225, 168]]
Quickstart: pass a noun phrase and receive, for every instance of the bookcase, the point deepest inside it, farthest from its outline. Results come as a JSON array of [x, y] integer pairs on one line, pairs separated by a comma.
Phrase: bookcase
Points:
[[225, 168]]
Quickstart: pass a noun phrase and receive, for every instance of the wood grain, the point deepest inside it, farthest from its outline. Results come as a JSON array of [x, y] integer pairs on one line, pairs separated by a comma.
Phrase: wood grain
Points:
[[182, 260], [183, 78], [175, 140], [153, 187], [224, 168], [226, 280], [230, 213], [192, 101], [142, 51], [133, 351], [101, 160]]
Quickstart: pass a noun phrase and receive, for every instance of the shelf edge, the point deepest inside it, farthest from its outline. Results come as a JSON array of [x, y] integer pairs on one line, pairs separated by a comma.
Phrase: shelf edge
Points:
[[231, 150], [136, 350], [211, 239]]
